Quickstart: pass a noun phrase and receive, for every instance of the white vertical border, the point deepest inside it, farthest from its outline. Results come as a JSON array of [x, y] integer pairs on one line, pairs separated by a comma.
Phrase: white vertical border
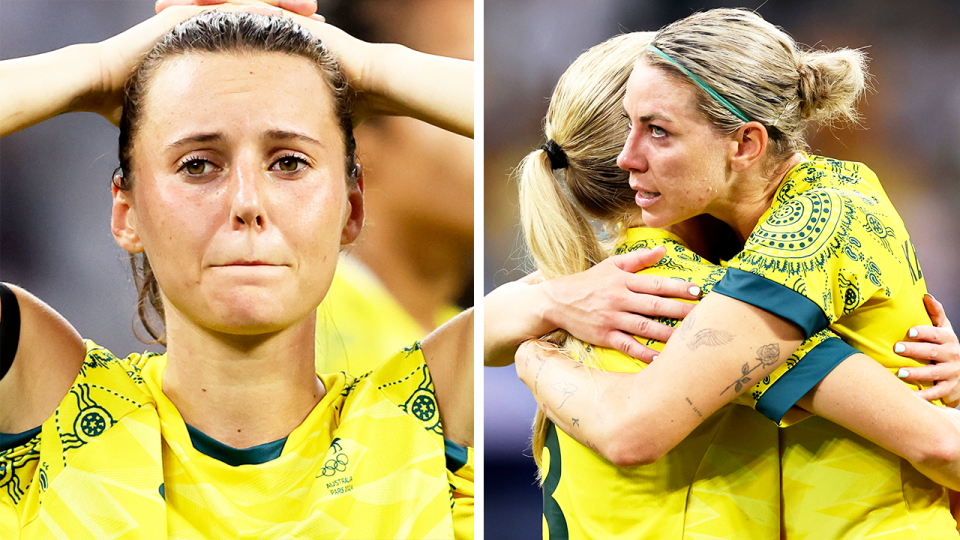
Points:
[[478, 235]]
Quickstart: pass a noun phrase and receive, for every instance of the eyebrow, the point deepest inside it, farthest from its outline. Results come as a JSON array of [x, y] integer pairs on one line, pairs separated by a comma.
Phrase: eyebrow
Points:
[[655, 116], [283, 135], [192, 139], [273, 134]]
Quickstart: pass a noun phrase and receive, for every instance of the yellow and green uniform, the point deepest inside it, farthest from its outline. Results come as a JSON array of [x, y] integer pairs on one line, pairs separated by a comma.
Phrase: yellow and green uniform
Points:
[[831, 251], [721, 481], [116, 460], [360, 324]]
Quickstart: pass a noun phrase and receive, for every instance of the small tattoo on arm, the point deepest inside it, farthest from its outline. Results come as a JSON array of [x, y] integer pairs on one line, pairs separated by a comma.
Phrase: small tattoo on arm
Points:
[[567, 389], [710, 338], [576, 422], [767, 355], [695, 409], [536, 381], [687, 326]]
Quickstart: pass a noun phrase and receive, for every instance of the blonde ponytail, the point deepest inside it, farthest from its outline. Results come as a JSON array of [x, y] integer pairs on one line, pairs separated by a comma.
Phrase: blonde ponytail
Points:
[[585, 122]]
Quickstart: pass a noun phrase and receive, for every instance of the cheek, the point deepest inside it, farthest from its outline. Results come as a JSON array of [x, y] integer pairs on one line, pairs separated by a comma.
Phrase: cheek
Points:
[[175, 220]]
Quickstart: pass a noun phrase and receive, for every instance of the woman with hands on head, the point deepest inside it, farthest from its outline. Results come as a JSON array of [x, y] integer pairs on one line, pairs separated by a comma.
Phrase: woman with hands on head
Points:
[[238, 186], [584, 404]]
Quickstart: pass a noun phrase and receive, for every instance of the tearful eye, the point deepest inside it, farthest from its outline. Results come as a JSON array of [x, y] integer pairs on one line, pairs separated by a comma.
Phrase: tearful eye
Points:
[[195, 166], [288, 164]]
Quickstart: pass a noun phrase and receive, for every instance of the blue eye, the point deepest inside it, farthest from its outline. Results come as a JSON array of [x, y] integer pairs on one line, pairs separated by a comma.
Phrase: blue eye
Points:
[[658, 131]]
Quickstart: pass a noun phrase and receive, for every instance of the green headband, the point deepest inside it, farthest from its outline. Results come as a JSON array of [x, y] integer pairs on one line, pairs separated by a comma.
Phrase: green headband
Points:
[[706, 87]]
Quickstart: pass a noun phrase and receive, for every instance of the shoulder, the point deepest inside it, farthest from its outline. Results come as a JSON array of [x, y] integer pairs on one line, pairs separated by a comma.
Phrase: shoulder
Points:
[[405, 381]]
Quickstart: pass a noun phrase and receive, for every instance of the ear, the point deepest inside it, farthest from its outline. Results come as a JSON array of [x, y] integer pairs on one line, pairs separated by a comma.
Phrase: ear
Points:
[[354, 212], [749, 146], [123, 221]]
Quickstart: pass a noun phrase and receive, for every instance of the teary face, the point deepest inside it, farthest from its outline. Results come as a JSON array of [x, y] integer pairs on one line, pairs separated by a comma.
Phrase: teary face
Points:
[[239, 196], [677, 161]]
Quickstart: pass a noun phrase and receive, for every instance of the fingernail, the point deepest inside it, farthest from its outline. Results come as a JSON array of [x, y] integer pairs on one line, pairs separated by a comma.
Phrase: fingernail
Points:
[[899, 348], [274, 8], [656, 356], [912, 333], [903, 373], [695, 291], [931, 296]]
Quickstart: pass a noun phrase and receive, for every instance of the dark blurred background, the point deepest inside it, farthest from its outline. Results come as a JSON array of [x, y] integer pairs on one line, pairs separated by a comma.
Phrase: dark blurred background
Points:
[[910, 137]]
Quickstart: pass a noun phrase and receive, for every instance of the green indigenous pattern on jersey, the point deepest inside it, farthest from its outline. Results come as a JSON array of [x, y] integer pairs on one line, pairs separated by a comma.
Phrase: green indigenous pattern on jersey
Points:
[[832, 251], [722, 481], [116, 461]]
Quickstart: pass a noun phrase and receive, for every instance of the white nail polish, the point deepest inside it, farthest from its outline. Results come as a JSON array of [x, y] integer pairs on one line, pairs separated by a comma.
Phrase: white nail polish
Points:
[[912, 333], [899, 348], [656, 356], [695, 291], [903, 373]]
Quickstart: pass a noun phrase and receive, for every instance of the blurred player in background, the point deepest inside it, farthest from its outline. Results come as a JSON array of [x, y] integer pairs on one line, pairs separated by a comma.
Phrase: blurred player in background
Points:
[[413, 263]]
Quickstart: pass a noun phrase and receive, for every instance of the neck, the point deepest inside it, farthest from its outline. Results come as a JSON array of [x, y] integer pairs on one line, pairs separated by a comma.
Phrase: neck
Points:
[[749, 196], [424, 271], [241, 390]]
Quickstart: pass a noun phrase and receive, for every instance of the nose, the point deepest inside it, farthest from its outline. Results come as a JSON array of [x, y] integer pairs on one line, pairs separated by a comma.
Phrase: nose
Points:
[[247, 208], [631, 158]]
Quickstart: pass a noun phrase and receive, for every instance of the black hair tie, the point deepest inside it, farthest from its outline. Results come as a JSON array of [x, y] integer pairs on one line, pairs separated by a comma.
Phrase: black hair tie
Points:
[[558, 160]]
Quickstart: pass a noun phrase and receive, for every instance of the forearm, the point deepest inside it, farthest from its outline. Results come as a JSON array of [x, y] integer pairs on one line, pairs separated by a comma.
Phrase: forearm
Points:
[[39, 87], [403, 82], [862, 396], [579, 400], [718, 353], [512, 313]]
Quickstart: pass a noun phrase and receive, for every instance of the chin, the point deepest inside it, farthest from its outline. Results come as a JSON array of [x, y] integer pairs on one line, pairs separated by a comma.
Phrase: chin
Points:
[[246, 312]]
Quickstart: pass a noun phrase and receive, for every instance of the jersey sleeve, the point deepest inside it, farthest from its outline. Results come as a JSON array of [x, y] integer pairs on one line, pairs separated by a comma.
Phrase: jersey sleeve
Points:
[[777, 394], [822, 250], [460, 476]]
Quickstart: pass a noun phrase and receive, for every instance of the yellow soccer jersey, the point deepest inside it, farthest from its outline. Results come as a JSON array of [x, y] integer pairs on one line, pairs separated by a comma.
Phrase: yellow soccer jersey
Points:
[[832, 251], [722, 481], [117, 461], [360, 324]]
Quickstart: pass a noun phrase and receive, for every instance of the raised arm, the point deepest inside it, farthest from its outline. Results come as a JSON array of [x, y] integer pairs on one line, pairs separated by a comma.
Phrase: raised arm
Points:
[[390, 79], [80, 78], [47, 354], [448, 351]]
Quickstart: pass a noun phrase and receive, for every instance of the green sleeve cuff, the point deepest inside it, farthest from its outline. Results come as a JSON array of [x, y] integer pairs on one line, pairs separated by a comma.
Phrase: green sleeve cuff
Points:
[[456, 455], [773, 297], [802, 377]]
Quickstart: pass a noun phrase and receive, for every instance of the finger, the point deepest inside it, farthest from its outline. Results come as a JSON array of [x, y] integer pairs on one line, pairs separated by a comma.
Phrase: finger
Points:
[[637, 260], [934, 392], [662, 286], [931, 334], [936, 312], [655, 306], [637, 325], [933, 372], [934, 352], [629, 346], [300, 7]]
